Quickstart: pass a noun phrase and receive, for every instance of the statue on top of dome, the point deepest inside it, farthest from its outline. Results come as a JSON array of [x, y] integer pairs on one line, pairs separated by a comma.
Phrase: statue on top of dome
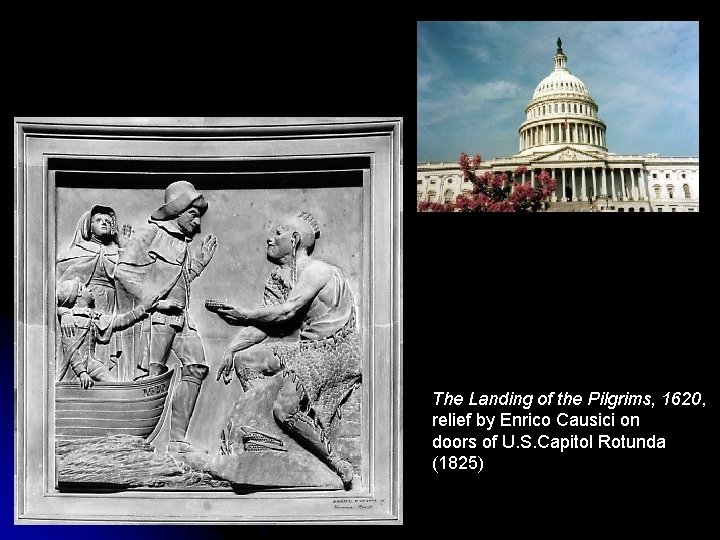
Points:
[[559, 44]]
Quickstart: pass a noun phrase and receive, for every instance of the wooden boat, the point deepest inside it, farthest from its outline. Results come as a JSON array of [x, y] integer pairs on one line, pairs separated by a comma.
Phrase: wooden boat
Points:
[[112, 408]]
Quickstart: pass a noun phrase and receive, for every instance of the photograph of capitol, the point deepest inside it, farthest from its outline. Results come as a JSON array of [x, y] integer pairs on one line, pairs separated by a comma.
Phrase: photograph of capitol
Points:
[[563, 133]]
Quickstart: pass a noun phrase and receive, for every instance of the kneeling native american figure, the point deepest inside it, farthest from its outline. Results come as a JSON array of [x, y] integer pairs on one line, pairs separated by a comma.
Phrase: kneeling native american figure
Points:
[[324, 365]]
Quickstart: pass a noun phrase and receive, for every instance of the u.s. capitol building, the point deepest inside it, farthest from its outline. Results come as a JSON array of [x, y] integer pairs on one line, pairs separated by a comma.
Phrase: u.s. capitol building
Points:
[[563, 134]]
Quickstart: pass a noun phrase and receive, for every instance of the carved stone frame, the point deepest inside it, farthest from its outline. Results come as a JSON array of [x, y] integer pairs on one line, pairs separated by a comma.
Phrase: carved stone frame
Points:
[[36, 499]]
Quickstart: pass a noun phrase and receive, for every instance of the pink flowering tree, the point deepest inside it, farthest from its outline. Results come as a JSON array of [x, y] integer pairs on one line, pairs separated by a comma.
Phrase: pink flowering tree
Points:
[[495, 193]]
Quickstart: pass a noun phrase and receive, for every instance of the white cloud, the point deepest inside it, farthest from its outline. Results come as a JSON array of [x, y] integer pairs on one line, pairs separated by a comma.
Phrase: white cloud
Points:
[[423, 81], [462, 100], [478, 51]]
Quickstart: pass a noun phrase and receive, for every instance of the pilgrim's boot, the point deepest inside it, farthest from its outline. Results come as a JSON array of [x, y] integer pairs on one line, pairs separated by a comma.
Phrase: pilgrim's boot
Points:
[[183, 405]]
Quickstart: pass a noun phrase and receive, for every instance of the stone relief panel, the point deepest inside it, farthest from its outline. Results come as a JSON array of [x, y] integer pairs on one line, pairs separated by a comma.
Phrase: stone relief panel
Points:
[[208, 336]]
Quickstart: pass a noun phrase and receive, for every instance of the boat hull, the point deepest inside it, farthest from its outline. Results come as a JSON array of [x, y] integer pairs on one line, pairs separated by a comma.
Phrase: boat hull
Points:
[[112, 408]]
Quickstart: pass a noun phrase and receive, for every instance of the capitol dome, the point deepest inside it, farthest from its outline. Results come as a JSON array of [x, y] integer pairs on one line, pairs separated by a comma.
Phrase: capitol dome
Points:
[[560, 81], [561, 113]]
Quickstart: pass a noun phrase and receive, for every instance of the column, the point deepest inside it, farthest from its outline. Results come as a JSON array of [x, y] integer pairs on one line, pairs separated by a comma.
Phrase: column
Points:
[[596, 191], [564, 198], [583, 192], [604, 183], [554, 197], [532, 179], [567, 133], [622, 185], [574, 187], [633, 193], [612, 184], [641, 181]]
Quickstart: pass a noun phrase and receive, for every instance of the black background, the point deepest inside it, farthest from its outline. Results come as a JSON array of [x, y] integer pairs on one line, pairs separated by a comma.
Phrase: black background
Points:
[[530, 304]]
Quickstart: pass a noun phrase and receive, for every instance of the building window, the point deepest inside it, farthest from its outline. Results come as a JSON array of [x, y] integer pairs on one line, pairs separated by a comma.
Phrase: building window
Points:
[[673, 209], [691, 209], [642, 209], [432, 181], [419, 182], [631, 209], [670, 190], [667, 176], [448, 196], [654, 175], [431, 196], [659, 209], [419, 196], [543, 109], [621, 209], [563, 108], [556, 107], [686, 188], [449, 180], [656, 187], [683, 175]]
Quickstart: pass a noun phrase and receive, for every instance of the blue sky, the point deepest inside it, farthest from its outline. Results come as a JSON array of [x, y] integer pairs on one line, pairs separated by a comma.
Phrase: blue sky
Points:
[[474, 80]]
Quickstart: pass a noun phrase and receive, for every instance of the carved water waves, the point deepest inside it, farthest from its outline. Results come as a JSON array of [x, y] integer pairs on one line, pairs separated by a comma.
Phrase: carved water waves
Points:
[[123, 462]]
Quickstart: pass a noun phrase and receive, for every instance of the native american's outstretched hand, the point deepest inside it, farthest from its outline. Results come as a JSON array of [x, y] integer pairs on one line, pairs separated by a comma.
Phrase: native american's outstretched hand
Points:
[[232, 315], [207, 249]]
